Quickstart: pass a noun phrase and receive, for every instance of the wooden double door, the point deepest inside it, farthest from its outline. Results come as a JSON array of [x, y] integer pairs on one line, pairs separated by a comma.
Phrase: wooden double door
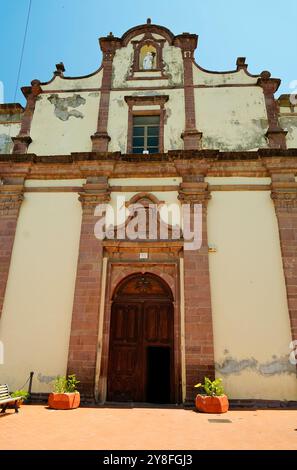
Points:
[[141, 350]]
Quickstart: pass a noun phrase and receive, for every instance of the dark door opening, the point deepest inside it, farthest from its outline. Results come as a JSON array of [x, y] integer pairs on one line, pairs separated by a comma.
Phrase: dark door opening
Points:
[[158, 375]]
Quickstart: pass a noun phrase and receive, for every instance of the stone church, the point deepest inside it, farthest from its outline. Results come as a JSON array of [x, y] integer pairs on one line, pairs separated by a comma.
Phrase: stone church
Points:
[[144, 318]]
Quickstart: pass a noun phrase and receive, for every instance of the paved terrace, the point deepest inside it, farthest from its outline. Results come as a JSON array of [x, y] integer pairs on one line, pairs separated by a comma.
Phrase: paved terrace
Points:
[[37, 427]]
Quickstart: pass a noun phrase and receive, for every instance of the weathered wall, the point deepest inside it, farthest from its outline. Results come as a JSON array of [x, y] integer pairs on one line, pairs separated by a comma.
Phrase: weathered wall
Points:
[[64, 122], [290, 124], [6, 132], [79, 83], [35, 324], [118, 119], [123, 61], [250, 313], [231, 118], [208, 78]]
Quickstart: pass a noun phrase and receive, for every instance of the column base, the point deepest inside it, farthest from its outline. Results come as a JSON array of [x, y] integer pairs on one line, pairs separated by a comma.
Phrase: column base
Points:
[[192, 139], [100, 142]]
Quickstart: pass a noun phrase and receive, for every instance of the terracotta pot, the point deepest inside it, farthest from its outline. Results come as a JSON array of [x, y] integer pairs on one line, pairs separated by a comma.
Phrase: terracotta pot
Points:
[[64, 401], [208, 404]]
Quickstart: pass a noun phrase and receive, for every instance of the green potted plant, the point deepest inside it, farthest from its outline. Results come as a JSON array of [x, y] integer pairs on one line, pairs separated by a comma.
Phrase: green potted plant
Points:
[[214, 400], [22, 394], [65, 395]]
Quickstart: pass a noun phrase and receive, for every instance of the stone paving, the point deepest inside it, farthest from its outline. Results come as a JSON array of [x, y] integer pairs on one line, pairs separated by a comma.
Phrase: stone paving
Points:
[[37, 427]]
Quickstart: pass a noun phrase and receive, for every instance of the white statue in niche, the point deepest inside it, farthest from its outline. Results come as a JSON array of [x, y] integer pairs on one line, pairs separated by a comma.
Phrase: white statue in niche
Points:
[[148, 61]]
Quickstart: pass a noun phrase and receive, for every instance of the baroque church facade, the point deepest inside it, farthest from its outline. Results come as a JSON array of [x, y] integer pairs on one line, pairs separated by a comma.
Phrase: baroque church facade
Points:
[[144, 318]]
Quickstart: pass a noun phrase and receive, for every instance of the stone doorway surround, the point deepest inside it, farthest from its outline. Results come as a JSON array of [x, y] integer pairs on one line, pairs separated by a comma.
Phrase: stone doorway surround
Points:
[[120, 263]]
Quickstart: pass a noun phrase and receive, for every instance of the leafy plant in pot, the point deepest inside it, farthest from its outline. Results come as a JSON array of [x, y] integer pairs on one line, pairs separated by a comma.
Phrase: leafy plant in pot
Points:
[[22, 395], [214, 400], [65, 395]]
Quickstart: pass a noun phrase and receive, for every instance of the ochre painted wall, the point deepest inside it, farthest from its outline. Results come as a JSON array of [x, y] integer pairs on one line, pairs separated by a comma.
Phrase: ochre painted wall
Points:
[[35, 323], [250, 313]]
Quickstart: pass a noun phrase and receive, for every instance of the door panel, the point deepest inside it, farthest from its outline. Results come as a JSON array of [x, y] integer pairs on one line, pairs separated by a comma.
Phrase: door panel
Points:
[[136, 327], [124, 378]]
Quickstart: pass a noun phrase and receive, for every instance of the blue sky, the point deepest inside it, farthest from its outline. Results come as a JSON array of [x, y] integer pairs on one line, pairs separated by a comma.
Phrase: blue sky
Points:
[[264, 31]]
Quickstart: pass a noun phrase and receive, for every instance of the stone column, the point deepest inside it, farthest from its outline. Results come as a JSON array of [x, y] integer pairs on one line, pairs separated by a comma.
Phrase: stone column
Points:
[[191, 136], [101, 139], [284, 195], [11, 197], [85, 318], [199, 348], [23, 139], [276, 135]]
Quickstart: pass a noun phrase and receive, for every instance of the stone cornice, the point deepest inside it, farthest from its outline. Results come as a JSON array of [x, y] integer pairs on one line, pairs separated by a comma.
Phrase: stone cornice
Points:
[[260, 163]]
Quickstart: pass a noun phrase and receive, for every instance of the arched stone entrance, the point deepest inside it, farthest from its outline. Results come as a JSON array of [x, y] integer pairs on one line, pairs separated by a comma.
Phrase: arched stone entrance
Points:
[[141, 346]]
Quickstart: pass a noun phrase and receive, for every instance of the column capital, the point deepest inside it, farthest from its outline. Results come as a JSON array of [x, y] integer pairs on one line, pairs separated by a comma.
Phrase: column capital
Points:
[[284, 191], [11, 197], [95, 191], [194, 192], [109, 45], [285, 197]]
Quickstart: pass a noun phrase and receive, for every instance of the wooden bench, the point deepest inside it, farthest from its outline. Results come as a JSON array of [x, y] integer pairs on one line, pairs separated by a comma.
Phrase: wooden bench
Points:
[[6, 399]]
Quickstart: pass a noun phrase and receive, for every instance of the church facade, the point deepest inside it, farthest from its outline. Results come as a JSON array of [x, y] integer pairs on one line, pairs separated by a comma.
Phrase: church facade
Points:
[[148, 224]]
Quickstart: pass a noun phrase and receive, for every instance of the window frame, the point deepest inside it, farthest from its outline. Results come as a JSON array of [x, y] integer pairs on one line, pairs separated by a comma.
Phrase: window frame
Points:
[[146, 136], [144, 101]]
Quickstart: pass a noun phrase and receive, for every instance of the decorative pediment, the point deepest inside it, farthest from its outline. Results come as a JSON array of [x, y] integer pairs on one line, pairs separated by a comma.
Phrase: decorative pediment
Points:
[[144, 221]]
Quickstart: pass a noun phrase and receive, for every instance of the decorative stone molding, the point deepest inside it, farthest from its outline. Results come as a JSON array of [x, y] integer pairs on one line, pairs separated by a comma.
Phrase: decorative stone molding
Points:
[[101, 139], [276, 135], [11, 197], [191, 136], [94, 193], [60, 69], [194, 192], [159, 100], [148, 40], [285, 199], [23, 139]]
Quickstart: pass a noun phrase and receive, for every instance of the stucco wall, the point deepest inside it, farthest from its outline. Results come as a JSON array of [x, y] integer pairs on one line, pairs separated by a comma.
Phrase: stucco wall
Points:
[[209, 78], [64, 122], [250, 313], [118, 119], [290, 124], [231, 118], [68, 83], [6, 132], [123, 60], [36, 318]]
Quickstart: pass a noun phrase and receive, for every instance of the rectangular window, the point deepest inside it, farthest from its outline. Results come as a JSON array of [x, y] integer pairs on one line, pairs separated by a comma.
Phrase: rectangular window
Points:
[[146, 130]]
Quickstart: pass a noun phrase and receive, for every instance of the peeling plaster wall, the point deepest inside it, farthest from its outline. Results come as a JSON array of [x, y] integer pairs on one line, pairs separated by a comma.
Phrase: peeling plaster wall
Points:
[[6, 132], [250, 313], [290, 124], [231, 118], [68, 84], [201, 77], [35, 323], [64, 122], [123, 61], [118, 119]]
